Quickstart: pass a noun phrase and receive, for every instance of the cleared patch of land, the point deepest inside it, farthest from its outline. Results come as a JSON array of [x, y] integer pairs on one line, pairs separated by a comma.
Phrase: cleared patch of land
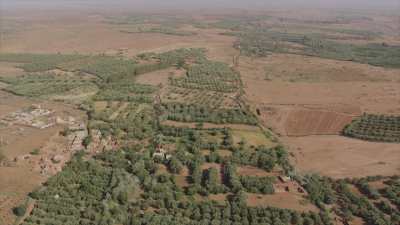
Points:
[[159, 77], [10, 70], [313, 122], [284, 200], [341, 157], [252, 137]]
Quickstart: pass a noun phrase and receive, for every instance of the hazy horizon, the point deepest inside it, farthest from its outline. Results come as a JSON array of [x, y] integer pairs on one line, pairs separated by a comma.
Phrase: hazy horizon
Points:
[[205, 4]]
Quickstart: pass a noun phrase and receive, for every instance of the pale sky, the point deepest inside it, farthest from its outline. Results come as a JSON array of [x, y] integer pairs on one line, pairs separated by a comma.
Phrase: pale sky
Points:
[[179, 4]]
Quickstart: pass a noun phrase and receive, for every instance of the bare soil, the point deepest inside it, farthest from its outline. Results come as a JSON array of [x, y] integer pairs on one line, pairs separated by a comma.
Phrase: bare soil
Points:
[[281, 200], [221, 152], [254, 171], [159, 77], [10, 70], [182, 178], [309, 122], [341, 157]]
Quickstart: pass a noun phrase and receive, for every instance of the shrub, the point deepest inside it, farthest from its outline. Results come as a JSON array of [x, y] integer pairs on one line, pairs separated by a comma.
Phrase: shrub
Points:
[[35, 151], [19, 210]]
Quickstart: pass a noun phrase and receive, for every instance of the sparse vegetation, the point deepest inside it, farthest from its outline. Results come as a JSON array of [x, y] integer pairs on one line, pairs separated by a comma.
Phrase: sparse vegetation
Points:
[[39, 62], [261, 43], [151, 24]]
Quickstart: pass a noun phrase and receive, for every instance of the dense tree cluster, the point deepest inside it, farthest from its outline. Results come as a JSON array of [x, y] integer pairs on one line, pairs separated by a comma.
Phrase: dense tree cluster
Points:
[[250, 184], [100, 191], [125, 91], [125, 186], [135, 122], [375, 128], [319, 189], [262, 157], [39, 62], [213, 76], [392, 192], [352, 204], [46, 84], [262, 42], [197, 113], [207, 98]]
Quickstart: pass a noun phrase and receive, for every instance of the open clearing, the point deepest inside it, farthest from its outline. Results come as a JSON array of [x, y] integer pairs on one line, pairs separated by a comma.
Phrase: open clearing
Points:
[[74, 32], [159, 77], [281, 200], [341, 157], [254, 138], [254, 171], [369, 95], [309, 122]]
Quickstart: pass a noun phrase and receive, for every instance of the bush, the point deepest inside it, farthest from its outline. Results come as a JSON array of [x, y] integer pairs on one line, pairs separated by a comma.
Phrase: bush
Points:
[[19, 210], [35, 151], [87, 140]]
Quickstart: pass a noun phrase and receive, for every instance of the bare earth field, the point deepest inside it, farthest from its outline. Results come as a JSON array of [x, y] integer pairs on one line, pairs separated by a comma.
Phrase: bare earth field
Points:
[[341, 157], [369, 95], [308, 122], [159, 77], [70, 33], [282, 200]]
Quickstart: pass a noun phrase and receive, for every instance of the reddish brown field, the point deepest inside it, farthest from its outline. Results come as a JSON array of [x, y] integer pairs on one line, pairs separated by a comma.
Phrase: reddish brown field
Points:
[[309, 122], [284, 200]]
